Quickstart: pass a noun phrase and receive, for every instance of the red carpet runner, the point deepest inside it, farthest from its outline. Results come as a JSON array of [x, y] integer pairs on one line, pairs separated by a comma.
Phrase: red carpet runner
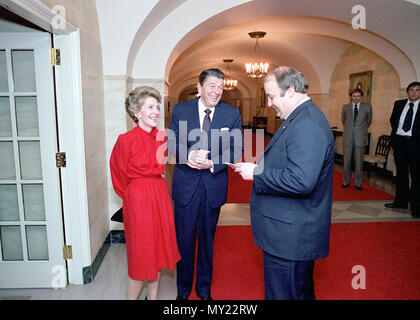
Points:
[[239, 190], [389, 252]]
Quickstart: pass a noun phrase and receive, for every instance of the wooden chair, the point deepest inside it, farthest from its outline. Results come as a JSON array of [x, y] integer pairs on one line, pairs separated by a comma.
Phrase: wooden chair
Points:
[[383, 147]]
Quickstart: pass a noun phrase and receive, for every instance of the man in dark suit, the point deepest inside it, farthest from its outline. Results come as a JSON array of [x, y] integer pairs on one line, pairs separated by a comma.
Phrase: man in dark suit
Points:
[[291, 196], [204, 134], [356, 118], [405, 140]]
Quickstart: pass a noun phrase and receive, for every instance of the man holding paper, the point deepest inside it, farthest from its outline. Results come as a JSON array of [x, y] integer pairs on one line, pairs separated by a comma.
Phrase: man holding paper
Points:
[[204, 134], [291, 196]]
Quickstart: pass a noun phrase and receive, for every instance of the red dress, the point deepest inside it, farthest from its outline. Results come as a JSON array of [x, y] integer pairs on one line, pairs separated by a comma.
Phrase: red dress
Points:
[[147, 211]]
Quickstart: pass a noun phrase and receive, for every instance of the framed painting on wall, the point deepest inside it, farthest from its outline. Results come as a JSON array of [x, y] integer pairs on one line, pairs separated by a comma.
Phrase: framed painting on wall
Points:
[[362, 81]]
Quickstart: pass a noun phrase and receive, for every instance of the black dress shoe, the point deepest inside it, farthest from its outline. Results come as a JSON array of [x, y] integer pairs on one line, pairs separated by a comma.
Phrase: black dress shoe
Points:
[[415, 214], [344, 185], [396, 205], [359, 188], [208, 298], [179, 297]]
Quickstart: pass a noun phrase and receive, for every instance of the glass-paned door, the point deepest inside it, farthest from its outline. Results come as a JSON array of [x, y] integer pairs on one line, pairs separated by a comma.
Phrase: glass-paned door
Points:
[[31, 228]]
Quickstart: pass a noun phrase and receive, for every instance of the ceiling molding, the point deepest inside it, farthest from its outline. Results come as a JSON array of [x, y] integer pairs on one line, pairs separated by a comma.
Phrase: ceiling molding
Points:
[[39, 14]]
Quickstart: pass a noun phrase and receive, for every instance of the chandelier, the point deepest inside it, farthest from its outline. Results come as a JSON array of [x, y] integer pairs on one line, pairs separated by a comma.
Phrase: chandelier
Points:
[[256, 68], [229, 83]]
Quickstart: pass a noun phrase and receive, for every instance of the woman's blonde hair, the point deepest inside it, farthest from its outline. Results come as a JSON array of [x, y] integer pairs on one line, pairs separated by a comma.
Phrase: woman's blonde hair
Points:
[[136, 99]]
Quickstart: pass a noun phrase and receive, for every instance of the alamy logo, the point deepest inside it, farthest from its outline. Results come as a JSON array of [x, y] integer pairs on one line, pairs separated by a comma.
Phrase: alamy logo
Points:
[[226, 145], [359, 20], [359, 280], [60, 279], [59, 20]]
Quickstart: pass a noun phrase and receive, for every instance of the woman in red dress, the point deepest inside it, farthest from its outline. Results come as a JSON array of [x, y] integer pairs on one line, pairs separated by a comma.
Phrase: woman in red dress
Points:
[[137, 164]]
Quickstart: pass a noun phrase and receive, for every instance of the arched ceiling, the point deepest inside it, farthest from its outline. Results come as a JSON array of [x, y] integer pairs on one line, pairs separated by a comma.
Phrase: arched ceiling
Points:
[[282, 45], [309, 35], [311, 45]]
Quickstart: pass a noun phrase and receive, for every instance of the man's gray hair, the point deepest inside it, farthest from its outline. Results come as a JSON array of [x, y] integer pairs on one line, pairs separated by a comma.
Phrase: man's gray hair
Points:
[[287, 77]]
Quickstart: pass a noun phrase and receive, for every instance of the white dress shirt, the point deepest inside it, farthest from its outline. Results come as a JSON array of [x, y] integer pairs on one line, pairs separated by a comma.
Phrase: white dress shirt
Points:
[[202, 113], [297, 105], [400, 131], [358, 107]]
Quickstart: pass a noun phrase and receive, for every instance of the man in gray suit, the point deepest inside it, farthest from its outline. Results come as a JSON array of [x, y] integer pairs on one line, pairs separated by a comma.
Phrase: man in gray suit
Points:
[[356, 118]]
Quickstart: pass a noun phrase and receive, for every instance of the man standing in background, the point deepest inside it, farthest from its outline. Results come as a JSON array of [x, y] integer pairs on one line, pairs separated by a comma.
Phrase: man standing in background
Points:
[[405, 140], [356, 118]]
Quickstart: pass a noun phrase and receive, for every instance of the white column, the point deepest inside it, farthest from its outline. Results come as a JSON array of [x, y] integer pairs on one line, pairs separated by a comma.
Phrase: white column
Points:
[[115, 91]]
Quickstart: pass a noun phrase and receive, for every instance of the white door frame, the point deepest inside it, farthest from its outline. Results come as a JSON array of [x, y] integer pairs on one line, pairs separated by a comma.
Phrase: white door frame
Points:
[[70, 126], [71, 138]]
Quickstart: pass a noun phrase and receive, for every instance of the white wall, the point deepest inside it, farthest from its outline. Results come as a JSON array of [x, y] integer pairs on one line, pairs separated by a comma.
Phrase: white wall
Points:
[[153, 55], [118, 23]]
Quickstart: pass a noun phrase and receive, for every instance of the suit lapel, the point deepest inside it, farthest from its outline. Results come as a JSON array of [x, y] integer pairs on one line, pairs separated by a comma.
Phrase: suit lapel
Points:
[[401, 108], [361, 112], [277, 135], [216, 122], [350, 112], [195, 118], [416, 123], [285, 124]]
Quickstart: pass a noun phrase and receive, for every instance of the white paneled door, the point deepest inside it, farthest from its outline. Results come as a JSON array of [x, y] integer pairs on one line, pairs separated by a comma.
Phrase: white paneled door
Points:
[[31, 227]]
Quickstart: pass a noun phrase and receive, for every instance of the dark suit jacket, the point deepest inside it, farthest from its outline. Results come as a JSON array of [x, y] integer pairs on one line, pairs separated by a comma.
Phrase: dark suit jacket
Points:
[[395, 119], [183, 137], [291, 198]]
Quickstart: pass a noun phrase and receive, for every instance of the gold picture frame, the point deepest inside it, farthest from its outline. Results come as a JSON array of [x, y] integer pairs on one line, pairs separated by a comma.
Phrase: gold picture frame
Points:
[[363, 81]]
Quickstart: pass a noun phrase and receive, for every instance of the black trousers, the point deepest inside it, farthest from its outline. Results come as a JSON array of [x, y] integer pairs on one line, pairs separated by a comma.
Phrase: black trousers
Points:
[[287, 279], [407, 162]]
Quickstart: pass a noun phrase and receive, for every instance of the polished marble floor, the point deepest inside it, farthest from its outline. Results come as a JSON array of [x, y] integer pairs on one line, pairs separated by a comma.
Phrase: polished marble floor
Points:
[[110, 281]]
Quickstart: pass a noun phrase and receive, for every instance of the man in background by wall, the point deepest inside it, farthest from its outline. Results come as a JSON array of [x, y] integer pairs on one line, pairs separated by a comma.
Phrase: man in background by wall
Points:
[[356, 118], [405, 140]]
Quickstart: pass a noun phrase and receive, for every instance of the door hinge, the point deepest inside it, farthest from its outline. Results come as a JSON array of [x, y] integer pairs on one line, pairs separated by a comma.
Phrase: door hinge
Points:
[[60, 159], [67, 253], [55, 57]]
